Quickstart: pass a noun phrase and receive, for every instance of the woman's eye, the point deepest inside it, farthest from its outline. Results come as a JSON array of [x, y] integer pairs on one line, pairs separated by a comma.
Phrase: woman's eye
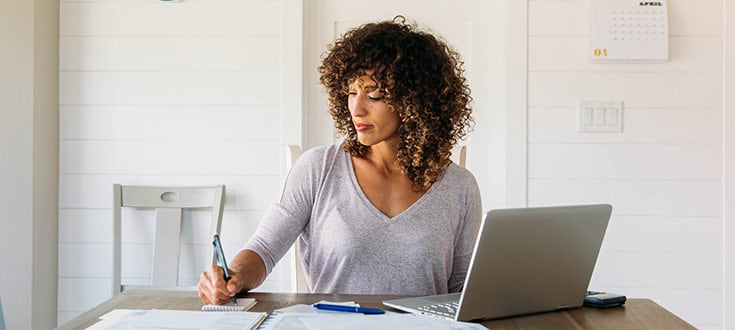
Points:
[[376, 98]]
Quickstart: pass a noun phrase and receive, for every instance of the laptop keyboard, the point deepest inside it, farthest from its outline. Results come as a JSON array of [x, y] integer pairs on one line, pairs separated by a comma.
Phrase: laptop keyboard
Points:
[[445, 309]]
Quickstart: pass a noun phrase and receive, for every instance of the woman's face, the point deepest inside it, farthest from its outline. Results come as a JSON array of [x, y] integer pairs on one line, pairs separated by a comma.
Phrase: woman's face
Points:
[[374, 119]]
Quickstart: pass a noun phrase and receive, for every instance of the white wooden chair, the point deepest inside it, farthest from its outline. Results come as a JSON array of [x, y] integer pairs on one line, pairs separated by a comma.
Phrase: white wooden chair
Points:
[[169, 203], [292, 153], [459, 155]]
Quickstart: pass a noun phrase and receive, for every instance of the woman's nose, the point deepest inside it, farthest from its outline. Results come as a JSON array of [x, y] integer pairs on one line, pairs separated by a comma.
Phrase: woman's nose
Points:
[[357, 105]]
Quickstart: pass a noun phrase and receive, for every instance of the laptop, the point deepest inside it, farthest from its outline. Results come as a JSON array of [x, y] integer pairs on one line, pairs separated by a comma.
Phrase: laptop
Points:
[[526, 260]]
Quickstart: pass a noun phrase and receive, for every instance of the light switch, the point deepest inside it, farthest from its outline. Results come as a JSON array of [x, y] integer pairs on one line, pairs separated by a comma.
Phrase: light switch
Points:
[[611, 116], [599, 116], [587, 116]]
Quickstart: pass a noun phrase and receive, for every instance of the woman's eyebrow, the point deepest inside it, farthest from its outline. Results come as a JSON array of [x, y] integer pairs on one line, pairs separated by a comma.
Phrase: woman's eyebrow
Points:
[[370, 88]]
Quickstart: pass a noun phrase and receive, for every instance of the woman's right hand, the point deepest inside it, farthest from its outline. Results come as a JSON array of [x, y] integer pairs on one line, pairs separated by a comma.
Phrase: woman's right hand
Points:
[[247, 271], [213, 289]]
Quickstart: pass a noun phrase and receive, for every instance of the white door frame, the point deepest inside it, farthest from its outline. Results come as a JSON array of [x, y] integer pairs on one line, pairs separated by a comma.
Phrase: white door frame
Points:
[[292, 123], [516, 148], [728, 165]]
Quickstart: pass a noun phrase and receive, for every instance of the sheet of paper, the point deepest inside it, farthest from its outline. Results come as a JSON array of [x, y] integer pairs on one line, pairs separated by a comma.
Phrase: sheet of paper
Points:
[[174, 319], [386, 321], [341, 320]]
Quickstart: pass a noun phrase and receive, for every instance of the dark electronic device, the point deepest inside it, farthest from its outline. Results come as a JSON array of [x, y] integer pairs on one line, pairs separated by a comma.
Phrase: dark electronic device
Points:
[[600, 299]]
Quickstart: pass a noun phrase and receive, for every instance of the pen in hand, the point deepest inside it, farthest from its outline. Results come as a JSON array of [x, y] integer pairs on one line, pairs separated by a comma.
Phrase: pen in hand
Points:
[[222, 262], [353, 309]]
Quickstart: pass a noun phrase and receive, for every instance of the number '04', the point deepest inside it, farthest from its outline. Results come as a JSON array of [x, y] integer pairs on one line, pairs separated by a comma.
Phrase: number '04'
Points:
[[600, 52]]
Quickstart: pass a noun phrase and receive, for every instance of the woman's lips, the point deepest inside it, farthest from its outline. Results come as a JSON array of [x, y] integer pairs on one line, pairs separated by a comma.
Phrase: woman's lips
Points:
[[361, 127]]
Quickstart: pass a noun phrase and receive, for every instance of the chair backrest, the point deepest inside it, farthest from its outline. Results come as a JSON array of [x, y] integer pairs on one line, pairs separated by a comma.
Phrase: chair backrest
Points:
[[459, 155], [169, 202], [292, 153]]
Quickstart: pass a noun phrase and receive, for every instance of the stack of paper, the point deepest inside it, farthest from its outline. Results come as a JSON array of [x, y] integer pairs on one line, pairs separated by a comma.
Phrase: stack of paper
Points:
[[307, 317], [174, 319]]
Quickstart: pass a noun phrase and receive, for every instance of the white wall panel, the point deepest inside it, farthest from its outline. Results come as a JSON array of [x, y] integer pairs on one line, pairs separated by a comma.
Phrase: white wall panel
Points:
[[239, 226], [662, 269], [185, 18], [136, 262], [695, 18], [194, 157], [138, 227], [253, 88], [667, 234], [170, 123], [632, 197], [88, 260], [571, 18], [668, 90], [624, 161], [185, 53], [640, 125], [95, 191], [85, 225], [558, 18]]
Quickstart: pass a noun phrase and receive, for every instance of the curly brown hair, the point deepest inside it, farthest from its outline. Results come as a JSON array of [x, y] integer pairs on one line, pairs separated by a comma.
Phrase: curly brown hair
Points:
[[423, 81]]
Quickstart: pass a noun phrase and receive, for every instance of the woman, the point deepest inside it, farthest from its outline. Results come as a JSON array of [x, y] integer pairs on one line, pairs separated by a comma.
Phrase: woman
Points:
[[385, 211]]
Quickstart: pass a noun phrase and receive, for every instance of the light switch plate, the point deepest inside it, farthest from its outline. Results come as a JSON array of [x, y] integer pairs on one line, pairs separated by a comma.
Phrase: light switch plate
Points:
[[600, 116]]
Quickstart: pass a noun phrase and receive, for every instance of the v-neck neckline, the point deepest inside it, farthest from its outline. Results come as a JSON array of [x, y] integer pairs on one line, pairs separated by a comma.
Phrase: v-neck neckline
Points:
[[369, 204]]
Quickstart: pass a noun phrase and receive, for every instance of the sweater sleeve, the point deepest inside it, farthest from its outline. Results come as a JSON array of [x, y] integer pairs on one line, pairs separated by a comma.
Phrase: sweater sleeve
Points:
[[290, 212], [468, 231]]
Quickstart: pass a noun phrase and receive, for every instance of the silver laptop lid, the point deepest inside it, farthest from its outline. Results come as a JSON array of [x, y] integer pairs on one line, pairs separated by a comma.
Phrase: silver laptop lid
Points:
[[530, 260]]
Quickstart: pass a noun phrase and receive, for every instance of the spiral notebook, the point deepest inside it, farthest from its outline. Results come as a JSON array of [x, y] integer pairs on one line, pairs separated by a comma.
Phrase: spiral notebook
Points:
[[242, 304]]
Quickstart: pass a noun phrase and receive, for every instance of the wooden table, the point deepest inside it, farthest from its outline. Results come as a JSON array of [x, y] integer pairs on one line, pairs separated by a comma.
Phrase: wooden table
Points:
[[636, 314]]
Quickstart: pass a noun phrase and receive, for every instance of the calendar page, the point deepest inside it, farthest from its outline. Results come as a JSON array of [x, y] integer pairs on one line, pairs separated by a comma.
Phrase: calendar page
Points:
[[627, 30]]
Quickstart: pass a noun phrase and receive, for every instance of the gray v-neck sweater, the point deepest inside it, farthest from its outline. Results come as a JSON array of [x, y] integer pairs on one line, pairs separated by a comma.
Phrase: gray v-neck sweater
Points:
[[348, 246]]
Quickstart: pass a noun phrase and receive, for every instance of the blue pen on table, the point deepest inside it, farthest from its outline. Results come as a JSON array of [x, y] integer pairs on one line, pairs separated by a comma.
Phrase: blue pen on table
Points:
[[219, 255], [353, 309]]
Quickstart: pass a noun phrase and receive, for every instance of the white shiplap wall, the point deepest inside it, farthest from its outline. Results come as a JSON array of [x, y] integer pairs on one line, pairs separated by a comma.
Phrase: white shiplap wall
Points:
[[157, 93], [662, 173]]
